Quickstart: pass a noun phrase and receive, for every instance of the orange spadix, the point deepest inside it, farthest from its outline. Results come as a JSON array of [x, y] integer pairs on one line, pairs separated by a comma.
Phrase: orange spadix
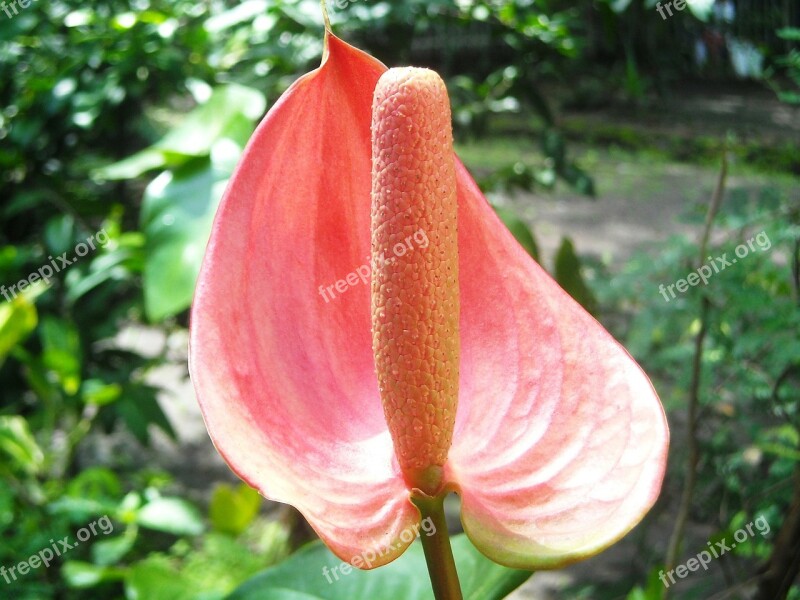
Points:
[[415, 295]]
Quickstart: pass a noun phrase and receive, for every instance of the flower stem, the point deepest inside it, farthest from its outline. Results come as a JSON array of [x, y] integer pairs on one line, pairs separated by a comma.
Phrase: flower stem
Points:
[[438, 553]]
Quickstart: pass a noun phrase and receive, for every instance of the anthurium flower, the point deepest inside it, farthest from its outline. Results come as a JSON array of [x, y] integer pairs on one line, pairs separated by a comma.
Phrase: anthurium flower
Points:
[[365, 328]]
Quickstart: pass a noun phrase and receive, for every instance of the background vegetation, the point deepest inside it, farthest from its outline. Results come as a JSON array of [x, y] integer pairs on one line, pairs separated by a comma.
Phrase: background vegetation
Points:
[[127, 116]]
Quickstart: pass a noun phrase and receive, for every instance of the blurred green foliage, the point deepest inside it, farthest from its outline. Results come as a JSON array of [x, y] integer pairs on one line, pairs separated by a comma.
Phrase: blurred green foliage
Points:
[[790, 65], [749, 428]]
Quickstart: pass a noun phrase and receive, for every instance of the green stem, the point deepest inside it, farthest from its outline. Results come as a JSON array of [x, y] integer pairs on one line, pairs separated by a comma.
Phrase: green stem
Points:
[[438, 553]]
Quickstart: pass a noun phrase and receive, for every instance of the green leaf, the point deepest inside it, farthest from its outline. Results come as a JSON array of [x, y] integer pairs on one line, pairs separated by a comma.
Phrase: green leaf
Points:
[[578, 179], [553, 147], [177, 215], [243, 12], [789, 97], [96, 392], [61, 354], [99, 483], [568, 275], [111, 551], [229, 114], [519, 229], [232, 510], [701, 9], [18, 319], [171, 515], [779, 450], [59, 234], [133, 166], [789, 33], [160, 577], [653, 591], [187, 572], [114, 264], [314, 573], [83, 575], [155, 578], [18, 446], [80, 509], [139, 409], [619, 6]]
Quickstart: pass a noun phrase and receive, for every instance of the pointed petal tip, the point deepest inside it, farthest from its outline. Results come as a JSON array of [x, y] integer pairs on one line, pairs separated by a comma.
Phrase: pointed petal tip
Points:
[[318, 443], [326, 19]]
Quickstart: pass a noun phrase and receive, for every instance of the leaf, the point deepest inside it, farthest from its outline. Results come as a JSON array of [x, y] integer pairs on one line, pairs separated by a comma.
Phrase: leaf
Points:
[[229, 114], [206, 573], [780, 450], [171, 515], [79, 509], [789, 97], [18, 446], [314, 573], [568, 275], [619, 6], [139, 409], [61, 354], [59, 234], [98, 393], [654, 589], [232, 510], [82, 575], [578, 179], [519, 229], [96, 483], [115, 264], [553, 147], [18, 319], [177, 215], [701, 9], [156, 579], [111, 551], [133, 166], [243, 12], [7, 501], [789, 33]]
